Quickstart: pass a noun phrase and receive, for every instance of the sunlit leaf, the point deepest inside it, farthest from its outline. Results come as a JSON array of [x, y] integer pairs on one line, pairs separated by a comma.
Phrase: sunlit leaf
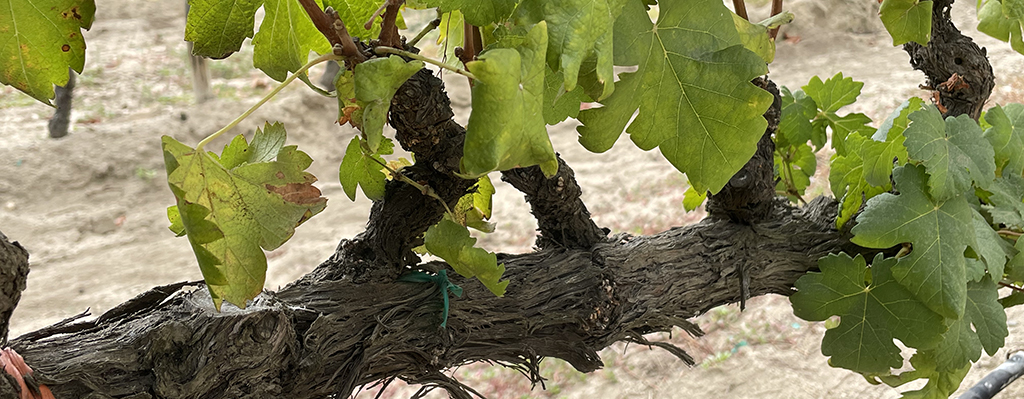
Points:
[[451, 242], [506, 128], [692, 89], [230, 213], [40, 40]]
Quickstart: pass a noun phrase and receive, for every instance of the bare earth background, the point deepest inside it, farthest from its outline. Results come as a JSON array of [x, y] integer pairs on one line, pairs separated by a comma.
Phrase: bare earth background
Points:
[[90, 208]]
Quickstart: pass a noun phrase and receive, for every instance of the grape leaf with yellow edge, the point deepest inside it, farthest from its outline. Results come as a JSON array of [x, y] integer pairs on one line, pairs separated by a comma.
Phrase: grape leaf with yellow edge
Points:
[[41, 39], [377, 80], [474, 209], [907, 20], [692, 89], [940, 231], [232, 206], [285, 38], [506, 129], [953, 151], [871, 314], [361, 168], [451, 242], [755, 35], [692, 199], [349, 110]]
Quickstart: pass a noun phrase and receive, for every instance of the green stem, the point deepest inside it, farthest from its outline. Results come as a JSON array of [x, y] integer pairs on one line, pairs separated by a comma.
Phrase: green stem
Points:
[[426, 29], [406, 54], [426, 190], [240, 118]]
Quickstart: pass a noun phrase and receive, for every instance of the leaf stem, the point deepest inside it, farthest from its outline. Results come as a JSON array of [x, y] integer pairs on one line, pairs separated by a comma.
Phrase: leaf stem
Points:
[[407, 54], [1010, 233], [240, 118], [369, 24], [1006, 284], [426, 190], [426, 29]]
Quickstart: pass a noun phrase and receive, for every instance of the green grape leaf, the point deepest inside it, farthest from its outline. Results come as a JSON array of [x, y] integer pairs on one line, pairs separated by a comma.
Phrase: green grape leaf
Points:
[[797, 112], [953, 152], [217, 28], [830, 96], [574, 27], [871, 315], [1003, 19], [451, 34], [994, 250], [907, 20], [597, 74], [362, 168], [795, 165], [693, 199], [693, 75], [940, 231], [960, 345], [285, 38], [506, 128], [940, 384], [1005, 202], [974, 267], [355, 13], [1015, 267], [1007, 137], [834, 93], [230, 213], [477, 13], [986, 314], [886, 146], [41, 40], [847, 182], [1016, 298], [755, 38], [377, 80], [451, 242], [474, 209], [558, 104]]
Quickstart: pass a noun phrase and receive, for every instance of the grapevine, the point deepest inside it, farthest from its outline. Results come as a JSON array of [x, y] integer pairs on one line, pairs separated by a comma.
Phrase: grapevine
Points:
[[929, 206]]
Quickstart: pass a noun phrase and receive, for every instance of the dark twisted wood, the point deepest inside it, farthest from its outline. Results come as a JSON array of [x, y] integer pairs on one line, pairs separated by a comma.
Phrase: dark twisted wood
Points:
[[950, 52]]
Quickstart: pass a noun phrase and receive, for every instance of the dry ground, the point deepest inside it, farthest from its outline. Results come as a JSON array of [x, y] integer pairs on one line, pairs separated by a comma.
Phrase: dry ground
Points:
[[90, 207]]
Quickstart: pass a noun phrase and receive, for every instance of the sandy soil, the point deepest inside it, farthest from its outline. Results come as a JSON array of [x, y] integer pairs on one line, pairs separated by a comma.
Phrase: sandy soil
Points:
[[90, 208]]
